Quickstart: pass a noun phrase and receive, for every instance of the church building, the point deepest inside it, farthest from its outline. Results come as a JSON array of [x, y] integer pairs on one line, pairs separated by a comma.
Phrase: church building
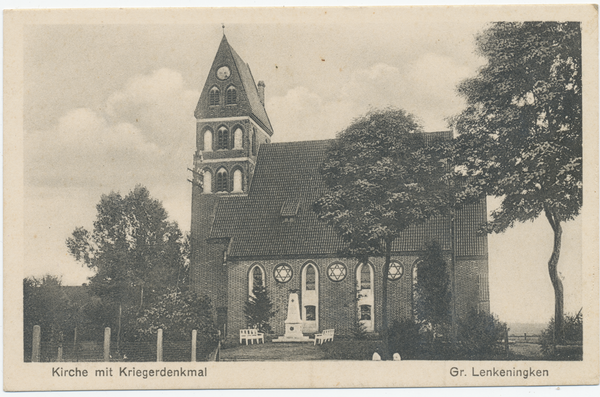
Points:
[[252, 222]]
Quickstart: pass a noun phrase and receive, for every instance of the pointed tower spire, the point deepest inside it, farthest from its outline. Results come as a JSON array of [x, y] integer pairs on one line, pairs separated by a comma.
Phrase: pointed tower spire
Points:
[[230, 74]]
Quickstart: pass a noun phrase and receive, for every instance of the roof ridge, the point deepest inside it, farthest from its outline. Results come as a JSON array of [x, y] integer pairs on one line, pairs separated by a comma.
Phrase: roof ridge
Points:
[[301, 142]]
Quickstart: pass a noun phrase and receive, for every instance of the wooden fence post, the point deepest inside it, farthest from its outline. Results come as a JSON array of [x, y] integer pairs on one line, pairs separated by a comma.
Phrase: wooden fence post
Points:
[[75, 345], [194, 340], [107, 344], [59, 357], [35, 348], [159, 345]]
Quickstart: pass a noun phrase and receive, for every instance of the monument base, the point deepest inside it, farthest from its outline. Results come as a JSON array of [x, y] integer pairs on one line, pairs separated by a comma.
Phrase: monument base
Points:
[[293, 339], [293, 332]]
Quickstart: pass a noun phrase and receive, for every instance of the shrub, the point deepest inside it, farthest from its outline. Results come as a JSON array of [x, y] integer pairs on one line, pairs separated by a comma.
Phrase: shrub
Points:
[[479, 335], [258, 310], [432, 293], [403, 337], [573, 334], [177, 313]]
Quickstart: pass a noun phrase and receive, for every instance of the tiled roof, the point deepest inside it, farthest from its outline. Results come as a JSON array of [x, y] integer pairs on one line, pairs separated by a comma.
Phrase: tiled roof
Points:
[[258, 109], [287, 181]]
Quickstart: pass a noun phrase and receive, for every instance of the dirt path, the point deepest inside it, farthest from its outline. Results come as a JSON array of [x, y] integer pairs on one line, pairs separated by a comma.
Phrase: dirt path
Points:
[[273, 352]]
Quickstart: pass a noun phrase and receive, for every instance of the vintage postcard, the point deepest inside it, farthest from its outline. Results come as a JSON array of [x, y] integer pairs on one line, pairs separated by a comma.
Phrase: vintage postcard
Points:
[[303, 197]]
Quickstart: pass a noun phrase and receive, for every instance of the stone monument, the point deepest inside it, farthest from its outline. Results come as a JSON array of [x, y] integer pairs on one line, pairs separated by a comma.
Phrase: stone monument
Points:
[[293, 322]]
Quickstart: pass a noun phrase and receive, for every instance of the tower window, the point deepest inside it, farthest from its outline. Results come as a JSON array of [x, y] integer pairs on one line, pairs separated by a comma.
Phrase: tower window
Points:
[[253, 141], [231, 96], [221, 180], [237, 181], [237, 138], [207, 182], [214, 96], [223, 139], [208, 141]]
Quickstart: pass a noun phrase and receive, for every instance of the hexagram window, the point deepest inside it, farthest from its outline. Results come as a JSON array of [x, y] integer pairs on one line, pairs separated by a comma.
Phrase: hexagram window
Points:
[[231, 96], [337, 271], [283, 273], [396, 271]]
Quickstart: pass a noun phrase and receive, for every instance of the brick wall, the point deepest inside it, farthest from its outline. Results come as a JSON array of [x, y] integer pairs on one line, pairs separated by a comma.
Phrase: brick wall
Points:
[[336, 299], [208, 275], [471, 285]]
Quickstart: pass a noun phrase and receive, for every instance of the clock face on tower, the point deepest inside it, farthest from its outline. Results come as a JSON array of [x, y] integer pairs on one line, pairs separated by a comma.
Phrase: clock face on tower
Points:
[[223, 73]]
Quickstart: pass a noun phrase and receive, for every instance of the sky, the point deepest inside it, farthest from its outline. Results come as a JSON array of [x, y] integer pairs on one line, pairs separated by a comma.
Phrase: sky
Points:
[[109, 106]]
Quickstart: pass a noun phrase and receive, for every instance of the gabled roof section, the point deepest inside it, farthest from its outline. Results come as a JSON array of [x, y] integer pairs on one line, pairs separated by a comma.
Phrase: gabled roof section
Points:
[[287, 181], [249, 103]]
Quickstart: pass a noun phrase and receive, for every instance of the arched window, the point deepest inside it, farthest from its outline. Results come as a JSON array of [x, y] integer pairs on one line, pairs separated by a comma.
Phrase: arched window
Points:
[[310, 297], [207, 182], [208, 141], [214, 96], [237, 138], [365, 295], [365, 277], [231, 96], [237, 181], [310, 278], [254, 142], [223, 138], [256, 278], [221, 185]]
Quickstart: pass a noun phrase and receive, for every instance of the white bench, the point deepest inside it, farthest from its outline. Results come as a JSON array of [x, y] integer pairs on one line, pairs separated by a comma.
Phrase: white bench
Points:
[[251, 335], [327, 335]]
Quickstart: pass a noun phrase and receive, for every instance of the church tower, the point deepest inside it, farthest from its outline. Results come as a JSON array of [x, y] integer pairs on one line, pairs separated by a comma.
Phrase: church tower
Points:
[[231, 124]]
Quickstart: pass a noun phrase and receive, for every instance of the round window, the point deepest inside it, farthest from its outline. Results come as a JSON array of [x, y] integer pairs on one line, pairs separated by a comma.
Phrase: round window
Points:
[[396, 271], [336, 271], [283, 273]]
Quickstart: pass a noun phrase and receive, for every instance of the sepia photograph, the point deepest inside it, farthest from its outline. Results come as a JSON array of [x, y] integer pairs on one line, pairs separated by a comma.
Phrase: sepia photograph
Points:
[[374, 191]]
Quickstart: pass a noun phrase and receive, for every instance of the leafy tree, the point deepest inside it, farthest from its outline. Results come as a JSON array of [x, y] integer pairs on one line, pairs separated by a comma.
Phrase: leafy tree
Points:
[[259, 309], [178, 311], [46, 305], [521, 132], [433, 296], [380, 181], [133, 249]]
